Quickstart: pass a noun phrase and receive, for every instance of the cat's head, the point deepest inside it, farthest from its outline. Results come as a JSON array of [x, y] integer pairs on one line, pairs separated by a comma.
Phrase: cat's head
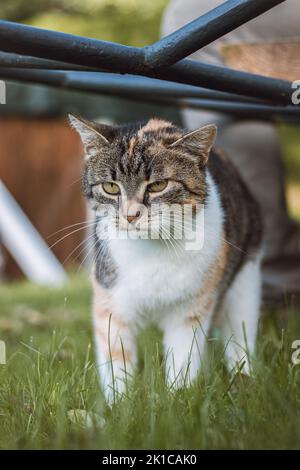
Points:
[[140, 169]]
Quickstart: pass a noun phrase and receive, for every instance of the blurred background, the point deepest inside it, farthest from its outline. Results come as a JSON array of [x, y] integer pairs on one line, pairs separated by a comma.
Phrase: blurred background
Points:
[[40, 156]]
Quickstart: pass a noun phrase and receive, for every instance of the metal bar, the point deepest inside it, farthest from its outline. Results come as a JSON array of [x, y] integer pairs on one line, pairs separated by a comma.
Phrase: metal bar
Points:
[[114, 83], [26, 245], [118, 58], [40, 77], [133, 88], [246, 110], [195, 35], [110, 83], [227, 80], [46, 44], [204, 30], [9, 59]]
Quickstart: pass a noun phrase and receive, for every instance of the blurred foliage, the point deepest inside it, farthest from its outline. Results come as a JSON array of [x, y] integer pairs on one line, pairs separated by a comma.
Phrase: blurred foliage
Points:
[[290, 143], [289, 135], [131, 22]]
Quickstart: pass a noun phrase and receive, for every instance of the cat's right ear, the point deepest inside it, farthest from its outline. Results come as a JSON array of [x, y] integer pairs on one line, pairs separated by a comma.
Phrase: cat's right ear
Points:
[[92, 134], [198, 143]]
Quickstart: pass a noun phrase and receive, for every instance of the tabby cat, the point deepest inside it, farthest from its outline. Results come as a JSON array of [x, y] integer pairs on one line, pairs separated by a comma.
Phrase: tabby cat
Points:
[[133, 174]]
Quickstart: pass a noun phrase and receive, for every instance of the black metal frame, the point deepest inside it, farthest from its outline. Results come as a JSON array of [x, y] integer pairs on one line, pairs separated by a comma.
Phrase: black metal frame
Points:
[[57, 59]]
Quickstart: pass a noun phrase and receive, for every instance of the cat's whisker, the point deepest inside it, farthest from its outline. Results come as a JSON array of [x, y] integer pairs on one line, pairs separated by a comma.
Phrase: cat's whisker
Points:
[[231, 244], [70, 226], [182, 221], [234, 246], [71, 233], [190, 225], [178, 226], [76, 248], [102, 252], [90, 250], [179, 245], [89, 246], [165, 241], [85, 248], [170, 240], [74, 182]]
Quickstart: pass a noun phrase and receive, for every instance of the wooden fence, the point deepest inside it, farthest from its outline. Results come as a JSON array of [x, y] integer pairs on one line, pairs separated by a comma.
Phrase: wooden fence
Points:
[[41, 164]]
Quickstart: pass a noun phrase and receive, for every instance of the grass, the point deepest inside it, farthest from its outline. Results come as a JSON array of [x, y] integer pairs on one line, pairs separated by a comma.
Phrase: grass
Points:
[[50, 397]]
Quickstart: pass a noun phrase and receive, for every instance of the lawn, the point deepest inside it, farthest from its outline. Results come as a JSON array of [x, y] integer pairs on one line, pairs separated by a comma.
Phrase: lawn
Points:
[[50, 397]]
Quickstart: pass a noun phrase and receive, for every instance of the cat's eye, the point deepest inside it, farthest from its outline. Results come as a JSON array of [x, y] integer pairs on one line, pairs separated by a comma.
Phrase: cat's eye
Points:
[[157, 186], [111, 188]]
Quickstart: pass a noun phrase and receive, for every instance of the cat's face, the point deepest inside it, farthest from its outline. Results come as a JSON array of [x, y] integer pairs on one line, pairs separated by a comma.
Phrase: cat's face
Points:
[[134, 174]]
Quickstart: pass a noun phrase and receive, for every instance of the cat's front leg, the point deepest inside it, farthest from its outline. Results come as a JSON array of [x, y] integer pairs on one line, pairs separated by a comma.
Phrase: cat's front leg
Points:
[[115, 345], [241, 313], [184, 342], [116, 355]]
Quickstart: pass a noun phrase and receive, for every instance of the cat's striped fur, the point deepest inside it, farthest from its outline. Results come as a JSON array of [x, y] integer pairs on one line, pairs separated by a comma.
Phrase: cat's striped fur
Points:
[[137, 282]]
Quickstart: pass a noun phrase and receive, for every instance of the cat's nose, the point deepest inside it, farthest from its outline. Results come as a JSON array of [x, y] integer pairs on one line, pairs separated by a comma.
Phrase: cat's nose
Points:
[[131, 218]]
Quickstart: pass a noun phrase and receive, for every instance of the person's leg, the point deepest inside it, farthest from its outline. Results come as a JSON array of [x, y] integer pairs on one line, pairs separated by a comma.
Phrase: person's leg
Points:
[[255, 149], [253, 146]]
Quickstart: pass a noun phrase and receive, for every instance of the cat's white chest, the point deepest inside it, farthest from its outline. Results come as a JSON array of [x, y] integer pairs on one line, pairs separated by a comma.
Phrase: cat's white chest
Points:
[[150, 281]]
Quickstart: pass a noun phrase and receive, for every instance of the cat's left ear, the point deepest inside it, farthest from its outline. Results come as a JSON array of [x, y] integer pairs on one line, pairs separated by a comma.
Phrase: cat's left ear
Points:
[[91, 133], [198, 143]]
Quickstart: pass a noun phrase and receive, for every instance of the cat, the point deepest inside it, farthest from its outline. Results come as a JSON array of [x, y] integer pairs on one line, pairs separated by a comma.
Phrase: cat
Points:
[[129, 169]]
